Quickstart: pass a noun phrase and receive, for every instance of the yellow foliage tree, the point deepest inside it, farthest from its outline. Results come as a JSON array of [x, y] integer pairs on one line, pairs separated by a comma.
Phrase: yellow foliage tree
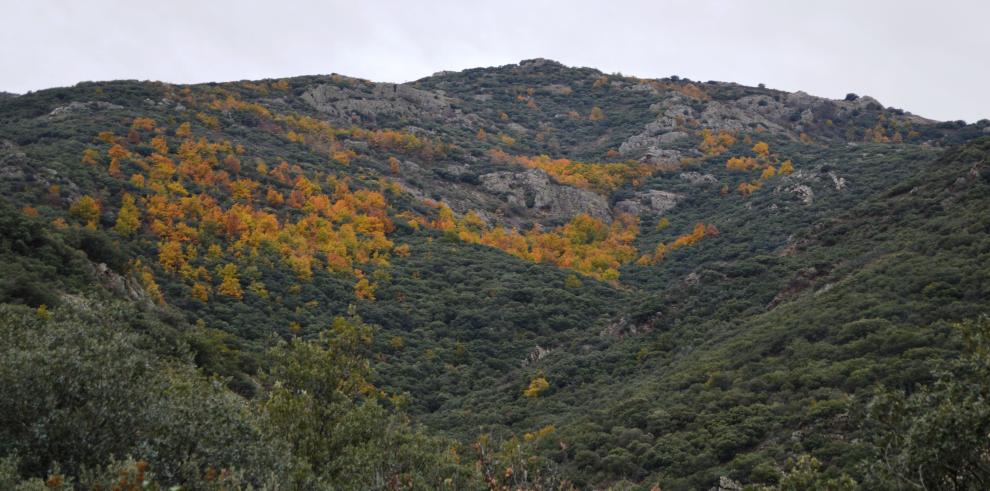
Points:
[[596, 114], [145, 124], [768, 172], [200, 291], [86, 209], [160, 144], [230, 284], [210, 121], [184, 130], [364, 289], [128, 218], [716, 143], [91, 156], [572, 282], [536, 387], [170, 255], [761, 149], [740, 164]]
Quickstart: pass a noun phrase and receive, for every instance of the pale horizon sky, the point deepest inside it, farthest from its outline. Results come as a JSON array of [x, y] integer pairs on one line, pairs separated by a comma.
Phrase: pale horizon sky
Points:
[[932, 59]]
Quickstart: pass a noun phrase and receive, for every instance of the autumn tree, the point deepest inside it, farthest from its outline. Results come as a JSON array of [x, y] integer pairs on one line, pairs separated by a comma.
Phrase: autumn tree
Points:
[[143, 124], [596, 114], [768, 172], [536, 386], [230, 284], [114, 168], [274, 197], [364, 289], [118, 152], [209, 121], [184, 130], [86, 209], [761, 149], [572, 282], [160, 145], [200, 291], [445, 219], [716, 143], [90, 156], [740, 164], [128, 218]]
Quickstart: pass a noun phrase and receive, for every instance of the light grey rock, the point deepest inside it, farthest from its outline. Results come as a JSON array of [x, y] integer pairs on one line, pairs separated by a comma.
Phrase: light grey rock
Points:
[[76, 107], [652, 201], [11, 173], [536, 355], [518, 128], [698, 178], [803, 193], [661, 157], [533, 189], [733, 117], [838, 182], [660, 131], [371, 100], [127, 287], [671, 137], [726, 484]]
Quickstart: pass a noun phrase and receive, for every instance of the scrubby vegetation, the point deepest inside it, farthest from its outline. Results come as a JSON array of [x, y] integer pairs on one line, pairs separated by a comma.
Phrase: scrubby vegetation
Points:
[[229, 286]]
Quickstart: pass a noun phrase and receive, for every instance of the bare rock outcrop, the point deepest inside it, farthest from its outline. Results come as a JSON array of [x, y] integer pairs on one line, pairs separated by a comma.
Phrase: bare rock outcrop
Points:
[[652, 201], [534, 190], [370, 100], [76, 107], [662, 131]]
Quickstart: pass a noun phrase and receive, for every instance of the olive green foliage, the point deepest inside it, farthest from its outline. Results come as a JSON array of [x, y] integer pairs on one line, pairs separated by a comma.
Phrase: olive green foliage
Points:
[[35, 261], [78, 390], [937, 436], [753, 355], [322, 402]]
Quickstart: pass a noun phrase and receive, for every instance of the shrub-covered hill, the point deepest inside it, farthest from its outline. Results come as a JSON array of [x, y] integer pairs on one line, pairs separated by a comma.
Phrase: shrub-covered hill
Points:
[[599, 279]]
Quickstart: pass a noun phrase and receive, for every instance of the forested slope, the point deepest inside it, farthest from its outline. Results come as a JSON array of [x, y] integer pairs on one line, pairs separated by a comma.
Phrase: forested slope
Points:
[[526, 276]]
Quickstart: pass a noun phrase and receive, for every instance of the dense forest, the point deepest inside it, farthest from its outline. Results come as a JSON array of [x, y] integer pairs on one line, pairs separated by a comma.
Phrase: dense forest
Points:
[[521, 277]]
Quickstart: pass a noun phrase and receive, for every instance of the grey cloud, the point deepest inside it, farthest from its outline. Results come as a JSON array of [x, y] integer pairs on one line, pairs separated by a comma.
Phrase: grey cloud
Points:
[[925, 57]]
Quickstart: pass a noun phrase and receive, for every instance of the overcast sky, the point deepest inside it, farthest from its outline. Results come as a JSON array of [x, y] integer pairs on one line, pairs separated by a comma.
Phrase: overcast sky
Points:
[[931, 58]]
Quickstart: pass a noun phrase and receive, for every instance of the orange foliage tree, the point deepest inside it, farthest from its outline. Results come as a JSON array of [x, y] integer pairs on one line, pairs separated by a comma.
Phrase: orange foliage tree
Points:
[[716, 143], [603, 178], [585, 244]]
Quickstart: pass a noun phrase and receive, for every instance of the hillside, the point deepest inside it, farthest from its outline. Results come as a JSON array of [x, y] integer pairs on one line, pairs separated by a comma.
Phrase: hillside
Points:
[[528, 276]]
